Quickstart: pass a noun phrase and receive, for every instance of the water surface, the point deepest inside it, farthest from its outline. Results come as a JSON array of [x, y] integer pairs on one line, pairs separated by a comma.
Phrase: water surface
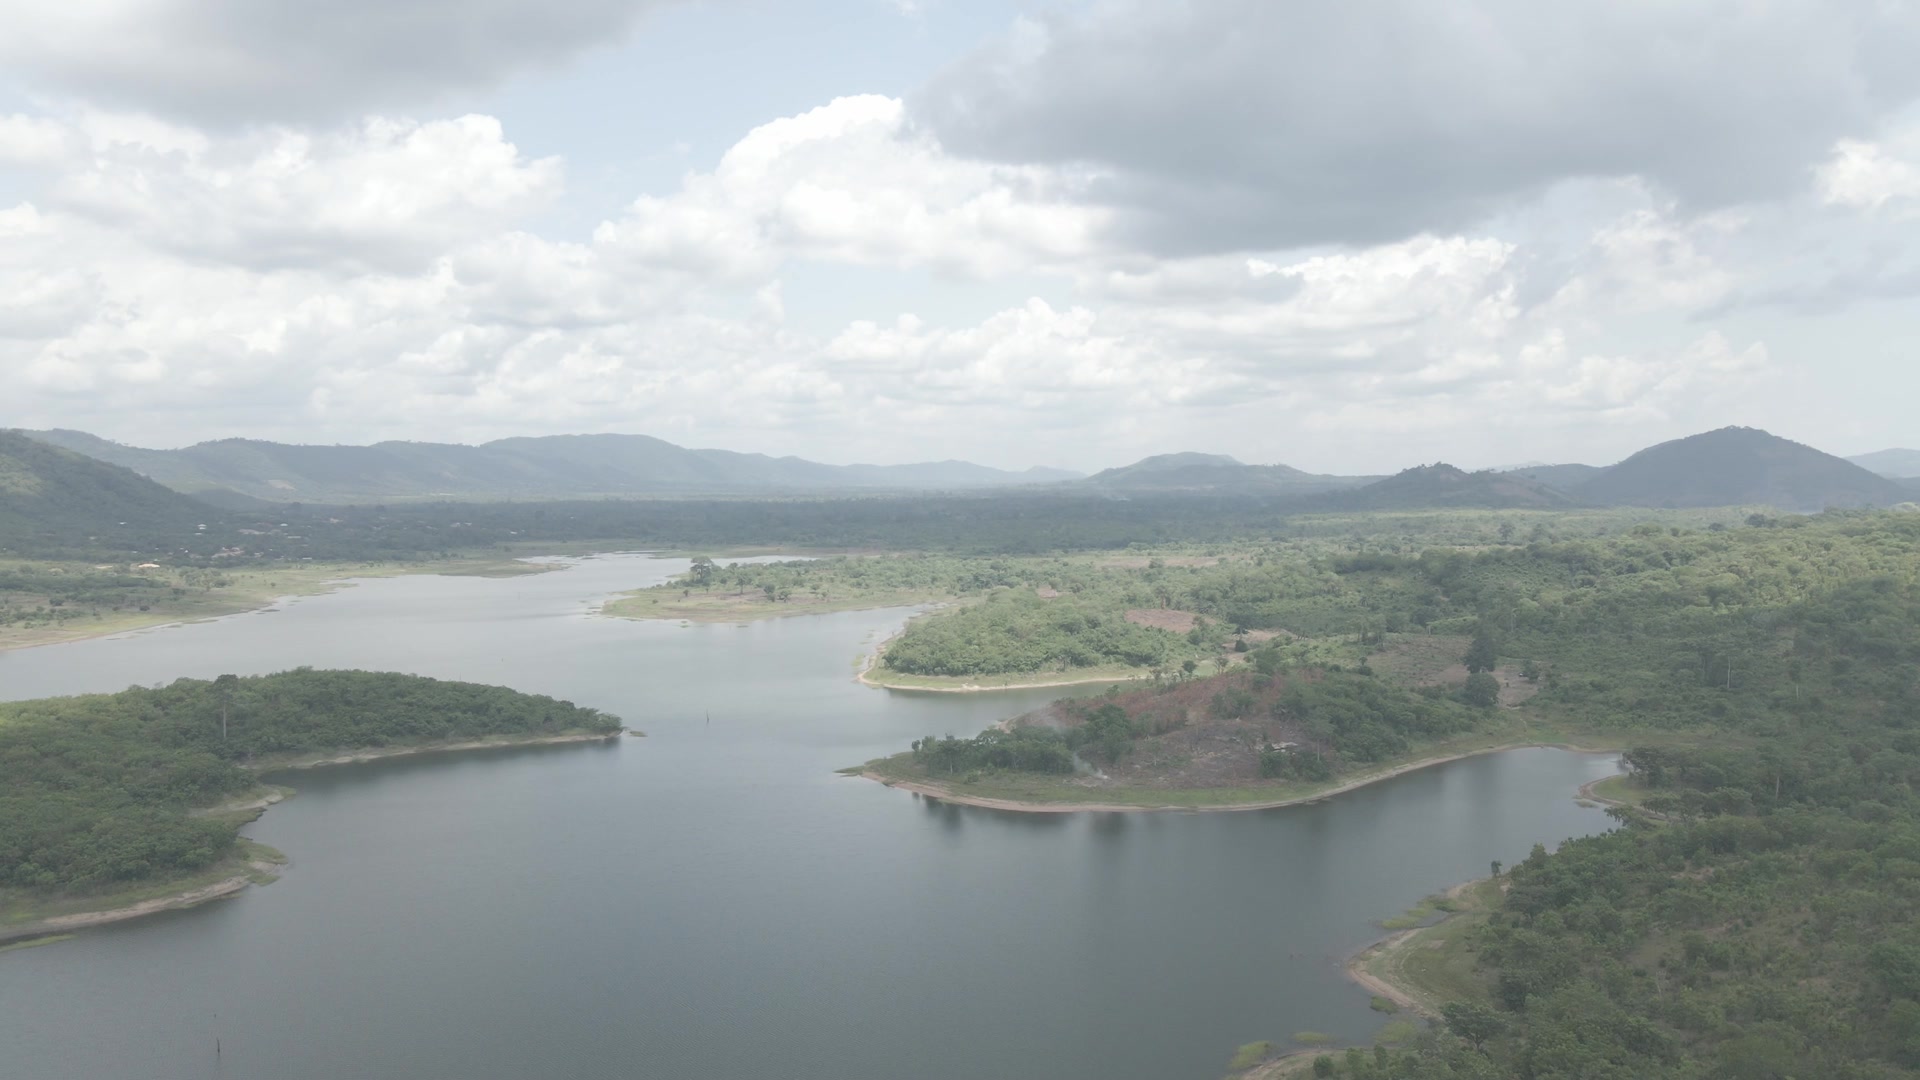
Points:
[[713, 901]]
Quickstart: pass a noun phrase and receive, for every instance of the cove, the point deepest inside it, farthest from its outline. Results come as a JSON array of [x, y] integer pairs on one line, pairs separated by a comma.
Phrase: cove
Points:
[[713, 900]]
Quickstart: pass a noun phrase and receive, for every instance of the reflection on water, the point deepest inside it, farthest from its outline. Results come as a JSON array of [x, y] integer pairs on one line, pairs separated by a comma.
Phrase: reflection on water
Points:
[[713, 900]]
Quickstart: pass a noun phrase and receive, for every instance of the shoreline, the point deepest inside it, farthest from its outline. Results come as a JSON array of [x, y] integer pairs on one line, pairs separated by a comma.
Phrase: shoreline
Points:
[[328, 582], [1356, 965], [934, 790], [355, 757], [257, 870], [969, 688]]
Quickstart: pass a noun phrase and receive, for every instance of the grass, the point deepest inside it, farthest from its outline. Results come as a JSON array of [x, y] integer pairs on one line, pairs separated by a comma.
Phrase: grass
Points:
[[1436, 963], [1399, 1031], [1619, 789], [34, 943], [1312, 1038], [1383, 1005], [1248, 1056]]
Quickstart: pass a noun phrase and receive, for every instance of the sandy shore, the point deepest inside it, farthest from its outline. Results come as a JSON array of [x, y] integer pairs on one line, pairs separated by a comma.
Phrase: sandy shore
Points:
[[935, 790], [1356, 966], [507, 743], [970, 688], [66, 924]]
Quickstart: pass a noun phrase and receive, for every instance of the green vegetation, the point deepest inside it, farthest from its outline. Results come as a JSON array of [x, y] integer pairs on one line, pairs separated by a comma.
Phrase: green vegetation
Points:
[[99, 793], [1755, 915], [1250, 1055], [1756, 918], [1312, 1038], [1021, 631]]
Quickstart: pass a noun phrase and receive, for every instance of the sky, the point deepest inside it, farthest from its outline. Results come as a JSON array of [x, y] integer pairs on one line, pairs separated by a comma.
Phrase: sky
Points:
[[1346, 237]]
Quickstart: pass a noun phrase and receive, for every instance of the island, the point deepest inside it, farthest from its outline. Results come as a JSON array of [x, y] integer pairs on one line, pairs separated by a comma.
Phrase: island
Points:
[[118, 805]]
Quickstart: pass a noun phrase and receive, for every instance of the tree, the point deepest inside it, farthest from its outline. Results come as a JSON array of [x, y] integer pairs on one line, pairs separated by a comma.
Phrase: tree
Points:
[[1482, 690], [702, 569], [223, 686], [1481, 654], [1188, 666], [1474, 1023]]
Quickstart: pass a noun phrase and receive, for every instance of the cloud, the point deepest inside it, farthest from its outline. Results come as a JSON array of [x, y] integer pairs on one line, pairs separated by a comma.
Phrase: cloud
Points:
[[1867, 175], [1237, 125], [388, 280], [384, 194], [852, 181], [235, 61]]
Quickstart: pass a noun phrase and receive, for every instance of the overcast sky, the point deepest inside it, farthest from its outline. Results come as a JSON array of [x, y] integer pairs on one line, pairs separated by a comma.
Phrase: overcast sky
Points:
[[1347, 237]]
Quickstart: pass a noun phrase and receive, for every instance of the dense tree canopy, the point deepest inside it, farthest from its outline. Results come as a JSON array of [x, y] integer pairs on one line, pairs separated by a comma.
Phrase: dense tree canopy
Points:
[[98, 790]]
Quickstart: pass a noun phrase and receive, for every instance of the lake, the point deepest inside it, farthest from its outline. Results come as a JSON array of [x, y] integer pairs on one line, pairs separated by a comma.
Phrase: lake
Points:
[[712, 900]]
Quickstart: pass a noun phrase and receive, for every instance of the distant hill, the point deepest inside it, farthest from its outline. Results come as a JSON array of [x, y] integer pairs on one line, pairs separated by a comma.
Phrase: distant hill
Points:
[[1562, 477], [1442, 485], [50, 497], [1897, 464], [560, 466], [1217, 474], [1738, 466]]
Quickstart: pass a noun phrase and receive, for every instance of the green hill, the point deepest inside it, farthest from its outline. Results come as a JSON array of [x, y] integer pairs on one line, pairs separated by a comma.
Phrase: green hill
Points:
[[1561, 477], [1216, 474], [55, 498], [1738, 466], [1442, 485]]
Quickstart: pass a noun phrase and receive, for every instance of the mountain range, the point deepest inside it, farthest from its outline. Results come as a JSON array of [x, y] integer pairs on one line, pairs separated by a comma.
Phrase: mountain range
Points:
[[551, 467], [1733, 466]]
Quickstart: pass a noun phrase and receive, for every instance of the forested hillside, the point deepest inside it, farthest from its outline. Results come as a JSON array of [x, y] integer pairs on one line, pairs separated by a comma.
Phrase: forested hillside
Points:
[[51, 498], [97, 792], [1759, 917]]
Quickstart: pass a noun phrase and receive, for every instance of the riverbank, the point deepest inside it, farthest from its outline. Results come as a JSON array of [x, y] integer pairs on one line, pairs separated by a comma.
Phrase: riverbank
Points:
[[495, 742], [1413, 972], [257, 864], [1052, 795], [254, 863], [190, 595]]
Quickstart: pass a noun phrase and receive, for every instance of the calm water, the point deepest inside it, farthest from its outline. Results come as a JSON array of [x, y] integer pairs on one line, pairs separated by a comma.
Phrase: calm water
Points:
[[712, 901]]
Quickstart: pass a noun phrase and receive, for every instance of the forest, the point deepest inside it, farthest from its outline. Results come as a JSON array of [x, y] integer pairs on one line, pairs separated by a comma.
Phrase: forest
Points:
[[99, 791], [1754, 914]]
